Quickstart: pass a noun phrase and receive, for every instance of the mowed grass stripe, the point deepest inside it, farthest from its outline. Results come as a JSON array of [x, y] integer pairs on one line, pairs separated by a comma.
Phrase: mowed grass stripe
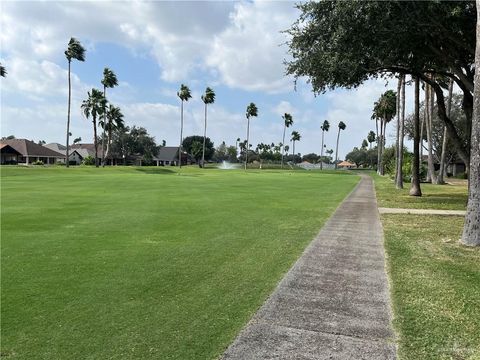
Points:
[[140, 263]]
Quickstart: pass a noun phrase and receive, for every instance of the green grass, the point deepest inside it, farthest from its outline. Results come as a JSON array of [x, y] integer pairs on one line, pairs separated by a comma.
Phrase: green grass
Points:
[[447, 197], [435, 287], [143, 263]]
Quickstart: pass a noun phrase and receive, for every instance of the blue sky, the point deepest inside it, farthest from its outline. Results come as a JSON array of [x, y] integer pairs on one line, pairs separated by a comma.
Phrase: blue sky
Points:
[[153, 47]]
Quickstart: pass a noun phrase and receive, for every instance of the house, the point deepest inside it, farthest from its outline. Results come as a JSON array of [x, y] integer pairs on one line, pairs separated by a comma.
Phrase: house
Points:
[[346, 165], [78, 152], [168, 155], [9, 155], [31, 152]]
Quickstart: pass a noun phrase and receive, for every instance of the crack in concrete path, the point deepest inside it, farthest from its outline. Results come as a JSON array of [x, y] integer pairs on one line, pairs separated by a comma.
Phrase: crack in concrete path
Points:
[[334, 302]]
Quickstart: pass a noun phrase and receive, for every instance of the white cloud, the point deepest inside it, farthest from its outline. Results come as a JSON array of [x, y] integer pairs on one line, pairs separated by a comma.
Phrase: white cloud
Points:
[[40, 79], [248, 54]]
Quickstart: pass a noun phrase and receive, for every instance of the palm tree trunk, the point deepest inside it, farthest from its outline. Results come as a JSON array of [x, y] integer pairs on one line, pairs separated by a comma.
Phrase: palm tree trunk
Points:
[[441, 174], [378, 144], [293, 152], [380, 152], [399, 182], [104, 124], [321, 151], [67, 163], [246, 146], [336, 151], [471, 233], [109, 141], [181, 137], [415, 185], [283, 142], [397, 143], [204, 137], [94, 116]]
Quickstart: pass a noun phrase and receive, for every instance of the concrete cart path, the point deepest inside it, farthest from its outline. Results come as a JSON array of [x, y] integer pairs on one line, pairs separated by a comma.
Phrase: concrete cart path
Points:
[[334, 302]]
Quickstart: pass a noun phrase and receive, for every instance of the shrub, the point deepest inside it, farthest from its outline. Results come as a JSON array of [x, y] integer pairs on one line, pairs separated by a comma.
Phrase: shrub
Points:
[[38, 162], [89, 160]]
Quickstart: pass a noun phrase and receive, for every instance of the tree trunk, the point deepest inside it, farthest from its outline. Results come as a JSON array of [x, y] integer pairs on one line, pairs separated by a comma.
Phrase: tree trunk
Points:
[[109, 141], [293, 152], [336, 150], [181, 137], [283, 142], [104, 124], [204, 137], [457, 142], [431, 167], [95, 142], [67, 163], [401, 130], [397, 142], [441, 174], [246, 146], [415, 185], [378, 145], [471, 228], [321, 150]]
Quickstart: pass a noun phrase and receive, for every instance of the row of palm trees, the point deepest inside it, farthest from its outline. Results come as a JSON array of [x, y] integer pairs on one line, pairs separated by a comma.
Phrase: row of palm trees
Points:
[[110, 118]]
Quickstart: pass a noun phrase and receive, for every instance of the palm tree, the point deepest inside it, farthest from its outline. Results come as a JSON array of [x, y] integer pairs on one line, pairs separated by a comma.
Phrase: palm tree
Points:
[[3, 71], [341, 126], [94, 105], [325, 126], [295, 137], [287, 122], [114, 122], [75, 51], [207, 98], [184, 94], [109, 80], [371, 138], [252, 111], [384, 110]]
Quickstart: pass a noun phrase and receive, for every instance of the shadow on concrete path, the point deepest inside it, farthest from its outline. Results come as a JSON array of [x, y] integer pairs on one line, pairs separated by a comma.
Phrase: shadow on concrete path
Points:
[[334, 302]]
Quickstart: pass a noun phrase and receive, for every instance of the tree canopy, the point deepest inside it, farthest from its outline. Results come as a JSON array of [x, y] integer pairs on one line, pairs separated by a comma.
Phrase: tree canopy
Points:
[[190, 145], [343, 43]]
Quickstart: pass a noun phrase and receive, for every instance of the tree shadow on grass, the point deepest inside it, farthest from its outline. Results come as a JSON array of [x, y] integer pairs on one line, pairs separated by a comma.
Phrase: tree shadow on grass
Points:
[[155, 171]]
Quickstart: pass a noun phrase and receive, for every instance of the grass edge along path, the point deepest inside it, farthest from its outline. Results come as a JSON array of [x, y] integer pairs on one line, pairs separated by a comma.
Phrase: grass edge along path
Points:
[[434, 280], [142, 263]]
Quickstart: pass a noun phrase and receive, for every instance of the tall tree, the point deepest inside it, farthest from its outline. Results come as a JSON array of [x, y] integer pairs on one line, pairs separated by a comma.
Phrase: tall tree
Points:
[[207, 98], [429, 126], [184, 94], [325, 127], [471, 228], [94, 105], [341, 126], [371, 138], [252, 111], [287, 122], [295, 137], [114, 121], [384, 110], [75, 51], [3, 71], [335, 45], [443, 156], [415, 189], [109, 81], [401, 133]]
